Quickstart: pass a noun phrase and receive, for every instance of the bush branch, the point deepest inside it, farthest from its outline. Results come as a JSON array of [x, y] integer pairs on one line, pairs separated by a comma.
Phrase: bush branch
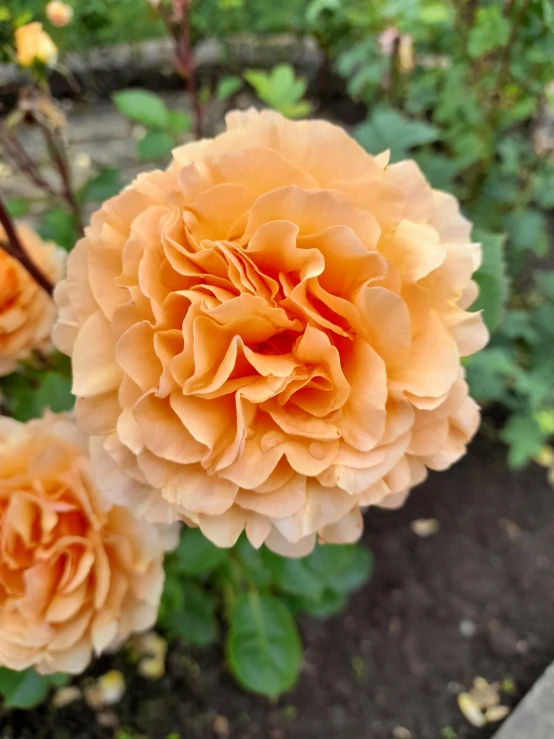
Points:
[[15, 249]]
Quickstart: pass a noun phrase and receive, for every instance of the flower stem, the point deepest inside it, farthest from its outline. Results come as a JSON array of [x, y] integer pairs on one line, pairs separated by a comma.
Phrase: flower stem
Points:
[[59, 159], [15, 249], [185, 61]]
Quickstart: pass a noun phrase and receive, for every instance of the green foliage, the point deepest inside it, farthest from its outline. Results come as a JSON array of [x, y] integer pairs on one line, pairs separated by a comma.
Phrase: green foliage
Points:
[[524, 437], [27, 689], [142, 106], [196, 554], [517, 369], [257, 592], [228, 86], [17, 207], [387, 129], [155, 145], [58, 225], [490, 31], [465, 112], [102, 186], [492, 279], [38, 387], [263, 646], [193, 614], [281, 90], [165, 126]]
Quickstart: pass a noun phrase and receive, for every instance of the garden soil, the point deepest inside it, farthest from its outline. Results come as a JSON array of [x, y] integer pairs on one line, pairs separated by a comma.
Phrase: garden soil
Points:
[[476, 598]]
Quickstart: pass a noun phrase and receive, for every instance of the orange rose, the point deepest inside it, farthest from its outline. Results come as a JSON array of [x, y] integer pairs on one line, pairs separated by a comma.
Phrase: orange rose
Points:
[[27, 313], [32, 45], [58, 13], [268, 335], [77, 575]]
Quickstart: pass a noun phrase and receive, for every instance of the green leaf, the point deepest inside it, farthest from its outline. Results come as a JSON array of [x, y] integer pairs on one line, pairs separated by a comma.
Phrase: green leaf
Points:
[[491, 278], [294, 576], [17, 207], [196, 554], [525, 438], [545, 421], [30, 397], [296, 110], [263, 645], [104, 185], [23, 18], [545, 283], [438, 169], [317, 7], [155, 145], [387, 129], [328, 604], [179, 122], [353, 570], [435, 13], [59, 679], [528, 229], [252, 561], [196, 621], [490, 31], [27, 690], [341, 567], [143, 107], [55, 393], [58, 225], [10, 680], [487, 372], [228, 86], [280, 89], [517, 324]]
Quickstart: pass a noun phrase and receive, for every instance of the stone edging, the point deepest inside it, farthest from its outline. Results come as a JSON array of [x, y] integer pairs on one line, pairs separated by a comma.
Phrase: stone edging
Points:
[[244, 50], [534, 717]]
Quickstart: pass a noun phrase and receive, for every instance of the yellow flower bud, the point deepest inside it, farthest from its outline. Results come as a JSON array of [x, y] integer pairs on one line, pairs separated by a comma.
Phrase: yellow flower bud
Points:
[[34, 45]]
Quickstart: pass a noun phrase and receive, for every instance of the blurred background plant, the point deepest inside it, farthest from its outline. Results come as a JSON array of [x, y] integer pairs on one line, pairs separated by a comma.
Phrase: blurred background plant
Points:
[[462, 87]]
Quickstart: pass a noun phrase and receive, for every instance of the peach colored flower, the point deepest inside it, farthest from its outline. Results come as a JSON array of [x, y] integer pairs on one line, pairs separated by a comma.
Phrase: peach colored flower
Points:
[[268, 335], [58, 13], [27, 313], [32, 45], [77, 575]]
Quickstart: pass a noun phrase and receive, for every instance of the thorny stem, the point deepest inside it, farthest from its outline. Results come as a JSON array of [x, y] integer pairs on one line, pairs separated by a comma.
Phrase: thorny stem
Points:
[[184, 61], [58, 155], [22, 160], [15, 249]]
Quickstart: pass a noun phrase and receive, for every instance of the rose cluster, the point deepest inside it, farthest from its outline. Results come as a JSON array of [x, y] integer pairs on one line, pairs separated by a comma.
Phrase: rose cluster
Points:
[[77, 574], [26, 312], [267, 336]]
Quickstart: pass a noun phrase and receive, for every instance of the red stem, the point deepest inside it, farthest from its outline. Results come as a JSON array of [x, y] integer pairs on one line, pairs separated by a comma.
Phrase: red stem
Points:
[[58, 155], [22, 160], [15, 249], [185, 60]]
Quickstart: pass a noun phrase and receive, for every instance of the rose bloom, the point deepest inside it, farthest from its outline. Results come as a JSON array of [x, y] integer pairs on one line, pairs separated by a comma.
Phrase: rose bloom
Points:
[[32, 45], [27, 313], [77, 574], [268, 335], [58, 13]]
